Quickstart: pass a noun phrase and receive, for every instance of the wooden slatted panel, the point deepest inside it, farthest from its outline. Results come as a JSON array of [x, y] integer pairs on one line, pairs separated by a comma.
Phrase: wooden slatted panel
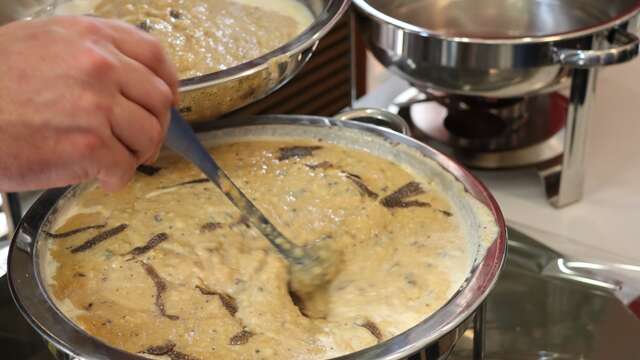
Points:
[[322, 87]]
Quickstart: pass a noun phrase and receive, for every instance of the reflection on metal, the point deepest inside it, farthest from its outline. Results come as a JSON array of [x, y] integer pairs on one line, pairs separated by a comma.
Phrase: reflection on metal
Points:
[[560, 269], [564, 185], [479, 331], [377, 117], [466, 47], [533, 313], [621, 279]]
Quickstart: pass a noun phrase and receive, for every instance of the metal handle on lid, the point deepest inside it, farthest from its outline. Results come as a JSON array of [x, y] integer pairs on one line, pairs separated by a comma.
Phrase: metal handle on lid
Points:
[[623, 47], [377, 117]]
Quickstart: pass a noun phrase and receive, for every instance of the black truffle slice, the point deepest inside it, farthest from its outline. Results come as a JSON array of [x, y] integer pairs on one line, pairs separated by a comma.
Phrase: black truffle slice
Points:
[[373, 329], [161, 288], [177, 355], [105, 235], [190, 182], [211, 226], [241, 338], [70, 233], [398, 199], [322, 165], [296, 152], [152, 243], [175, 14], [168, 349], [227, 301], [160, 350], [364, 189]]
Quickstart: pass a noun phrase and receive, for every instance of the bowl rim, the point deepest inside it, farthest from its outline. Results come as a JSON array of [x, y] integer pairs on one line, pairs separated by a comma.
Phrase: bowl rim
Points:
[[322, 24], [371, 12], [35, 305]]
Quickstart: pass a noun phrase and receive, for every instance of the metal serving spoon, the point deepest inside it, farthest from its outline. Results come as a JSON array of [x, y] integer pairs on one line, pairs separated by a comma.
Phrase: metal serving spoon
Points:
[[311, 267]]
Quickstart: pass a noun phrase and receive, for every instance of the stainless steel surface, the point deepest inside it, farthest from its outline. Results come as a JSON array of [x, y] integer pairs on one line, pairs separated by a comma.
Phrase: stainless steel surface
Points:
[[619, 278], [377, 117], [536, 314], [479, 331], [438, 333], [624, 47], [486, 134], [564, 182], [505, 20], [500, 48], [183, 140], [204, 98], [18, 340]]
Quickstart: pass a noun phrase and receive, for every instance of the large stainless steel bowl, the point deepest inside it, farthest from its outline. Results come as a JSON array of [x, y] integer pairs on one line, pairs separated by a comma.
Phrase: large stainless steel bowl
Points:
[[497, 48], [211, 95], [435, 336]]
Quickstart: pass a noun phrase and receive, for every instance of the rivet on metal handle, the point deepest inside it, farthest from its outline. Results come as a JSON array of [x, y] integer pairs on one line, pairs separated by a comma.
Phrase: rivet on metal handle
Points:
[[377, 117], [623, 47]]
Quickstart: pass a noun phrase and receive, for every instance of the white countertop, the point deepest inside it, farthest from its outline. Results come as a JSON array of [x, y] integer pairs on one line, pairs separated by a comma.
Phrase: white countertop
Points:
[[605, 225]]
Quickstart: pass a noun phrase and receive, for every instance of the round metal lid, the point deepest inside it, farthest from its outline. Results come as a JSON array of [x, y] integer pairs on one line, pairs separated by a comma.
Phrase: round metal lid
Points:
[[533, 20]]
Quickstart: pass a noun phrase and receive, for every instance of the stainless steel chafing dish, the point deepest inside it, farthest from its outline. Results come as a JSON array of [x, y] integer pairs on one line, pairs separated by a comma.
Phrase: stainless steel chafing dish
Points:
[[497, 48], [436, 335]]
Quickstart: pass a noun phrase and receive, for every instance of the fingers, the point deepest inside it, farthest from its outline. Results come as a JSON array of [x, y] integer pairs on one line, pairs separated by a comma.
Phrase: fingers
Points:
[[137, 129], [134, 86], [146, 50], [99, 155], [147, 76], [130, 41], [142, 87], [117, 166]]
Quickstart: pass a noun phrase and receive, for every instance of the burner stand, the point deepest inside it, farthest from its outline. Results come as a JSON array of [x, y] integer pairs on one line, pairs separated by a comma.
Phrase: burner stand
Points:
[[508, 133], [562, 172]]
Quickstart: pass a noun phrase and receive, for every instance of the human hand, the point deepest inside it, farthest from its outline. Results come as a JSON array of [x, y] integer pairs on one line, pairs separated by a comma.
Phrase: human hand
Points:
[[81, 98]]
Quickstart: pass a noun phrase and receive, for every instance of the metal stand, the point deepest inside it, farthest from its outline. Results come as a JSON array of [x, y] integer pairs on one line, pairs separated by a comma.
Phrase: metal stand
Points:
[[563, 177], [479, 333]]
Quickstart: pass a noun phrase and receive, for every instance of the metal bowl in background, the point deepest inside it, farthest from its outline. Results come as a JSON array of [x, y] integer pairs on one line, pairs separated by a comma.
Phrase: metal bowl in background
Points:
[[435, 336], [497, 48], [209, 96]]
